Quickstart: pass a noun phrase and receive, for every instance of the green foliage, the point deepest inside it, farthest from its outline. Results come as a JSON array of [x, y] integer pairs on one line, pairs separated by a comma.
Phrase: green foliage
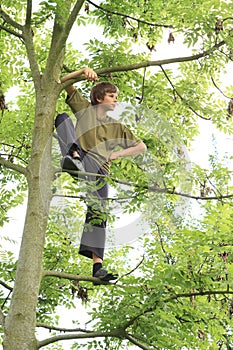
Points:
[[7, 275]]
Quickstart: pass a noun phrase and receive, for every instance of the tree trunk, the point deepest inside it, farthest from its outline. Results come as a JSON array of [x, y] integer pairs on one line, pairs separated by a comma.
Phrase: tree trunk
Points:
[[20, 322]]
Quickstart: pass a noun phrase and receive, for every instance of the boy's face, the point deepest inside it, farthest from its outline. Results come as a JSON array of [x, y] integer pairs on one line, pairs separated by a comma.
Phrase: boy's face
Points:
[[109, 101]]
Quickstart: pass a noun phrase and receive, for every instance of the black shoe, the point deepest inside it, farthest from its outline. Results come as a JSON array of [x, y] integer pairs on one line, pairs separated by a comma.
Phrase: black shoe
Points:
[[69, 163], [104, 275]]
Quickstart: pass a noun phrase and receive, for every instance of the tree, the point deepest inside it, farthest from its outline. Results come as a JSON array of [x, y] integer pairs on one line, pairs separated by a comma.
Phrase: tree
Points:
[[178, 294]]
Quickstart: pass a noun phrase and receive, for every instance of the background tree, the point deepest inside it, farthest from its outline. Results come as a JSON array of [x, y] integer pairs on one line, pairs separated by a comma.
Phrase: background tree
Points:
[[178, 292]]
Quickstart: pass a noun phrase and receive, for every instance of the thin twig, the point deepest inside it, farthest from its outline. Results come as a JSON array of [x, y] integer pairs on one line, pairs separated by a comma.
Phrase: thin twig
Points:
[[109, 199], [2, 283], [9, 20], [105, 10], [61, 329], [134, 269], [180, 96], [139, 343], [12, 166], [153, 188], [143, 86], [161, 243], [219, 88], [11, 31]]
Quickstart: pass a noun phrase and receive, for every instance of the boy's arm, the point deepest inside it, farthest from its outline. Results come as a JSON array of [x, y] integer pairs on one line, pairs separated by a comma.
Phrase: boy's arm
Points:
[[140, 147], [89, 73]]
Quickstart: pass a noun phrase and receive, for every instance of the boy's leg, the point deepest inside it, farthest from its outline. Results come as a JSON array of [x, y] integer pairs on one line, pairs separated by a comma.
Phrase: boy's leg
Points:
[[66, 135], [70, 149], [101, 273], [94, 233]]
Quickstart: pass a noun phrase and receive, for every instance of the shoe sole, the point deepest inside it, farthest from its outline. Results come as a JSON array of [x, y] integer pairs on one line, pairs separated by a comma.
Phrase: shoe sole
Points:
[[109, 277]]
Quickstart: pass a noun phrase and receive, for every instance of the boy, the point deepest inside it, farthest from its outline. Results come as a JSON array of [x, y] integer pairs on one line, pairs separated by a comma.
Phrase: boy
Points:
[[91, 146]]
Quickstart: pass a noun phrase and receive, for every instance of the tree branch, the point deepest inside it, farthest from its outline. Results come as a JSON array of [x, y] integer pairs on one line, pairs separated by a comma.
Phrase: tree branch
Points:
[[175, 297], [180, 96], [139, 343], [219, 88], [115, 333], [9, 20], [61, 329], [129, 17], [73, 15], [69, 276], [153, 188], [134, 269], [139, 65], [161, 243], [3, 105], [143, 86], [28, 13], [108, 199], [6, 286], [28, 40], [12, 166], [13, 156], [10, 31], [202, 293], [59, 37]]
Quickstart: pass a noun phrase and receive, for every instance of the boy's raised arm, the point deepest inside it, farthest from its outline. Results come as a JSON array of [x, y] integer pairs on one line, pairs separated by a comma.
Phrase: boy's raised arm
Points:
[[89, 73]]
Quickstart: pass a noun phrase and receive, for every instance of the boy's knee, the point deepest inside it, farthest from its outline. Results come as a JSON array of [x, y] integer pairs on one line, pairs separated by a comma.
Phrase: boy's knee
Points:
[[60, 118]]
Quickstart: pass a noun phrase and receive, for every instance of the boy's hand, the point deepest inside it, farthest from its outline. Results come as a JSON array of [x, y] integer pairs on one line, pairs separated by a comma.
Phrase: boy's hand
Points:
[[114, 155], [140, 147], [90, 74]]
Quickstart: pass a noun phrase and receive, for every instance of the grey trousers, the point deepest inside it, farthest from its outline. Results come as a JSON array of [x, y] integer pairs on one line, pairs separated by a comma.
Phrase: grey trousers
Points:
[[94, 231]]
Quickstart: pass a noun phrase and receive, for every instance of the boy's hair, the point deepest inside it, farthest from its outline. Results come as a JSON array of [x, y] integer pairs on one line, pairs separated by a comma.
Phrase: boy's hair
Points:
[[99, 91]]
